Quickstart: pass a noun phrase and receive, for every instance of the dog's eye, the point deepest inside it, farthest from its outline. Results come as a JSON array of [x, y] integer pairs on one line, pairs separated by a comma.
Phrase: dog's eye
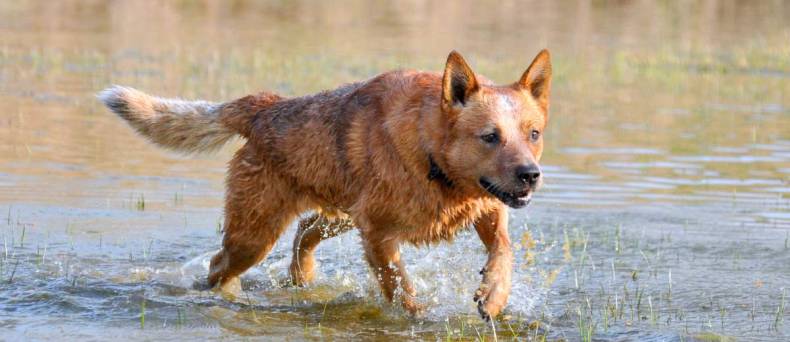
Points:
[[535, 135], [490, 138]]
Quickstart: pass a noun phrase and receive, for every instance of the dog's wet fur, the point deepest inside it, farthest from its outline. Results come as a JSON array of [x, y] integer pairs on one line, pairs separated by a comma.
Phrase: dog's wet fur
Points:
[[406, 156]]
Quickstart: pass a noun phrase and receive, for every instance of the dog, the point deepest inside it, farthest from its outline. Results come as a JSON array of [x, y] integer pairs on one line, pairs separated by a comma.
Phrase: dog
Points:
[[405, 157]]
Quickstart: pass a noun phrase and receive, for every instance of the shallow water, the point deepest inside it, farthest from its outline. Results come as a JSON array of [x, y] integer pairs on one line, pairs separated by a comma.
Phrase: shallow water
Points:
[[665, 214]]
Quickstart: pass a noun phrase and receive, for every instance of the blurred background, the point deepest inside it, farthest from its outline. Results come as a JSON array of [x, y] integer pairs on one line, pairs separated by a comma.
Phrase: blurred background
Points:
[[665, 213]]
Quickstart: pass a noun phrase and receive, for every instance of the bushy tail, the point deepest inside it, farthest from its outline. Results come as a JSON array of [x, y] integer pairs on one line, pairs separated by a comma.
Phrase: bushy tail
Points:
[[184, 126]]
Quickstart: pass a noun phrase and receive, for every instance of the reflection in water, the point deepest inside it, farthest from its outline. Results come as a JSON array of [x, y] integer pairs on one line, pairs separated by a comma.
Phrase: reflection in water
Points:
[[665, 211]]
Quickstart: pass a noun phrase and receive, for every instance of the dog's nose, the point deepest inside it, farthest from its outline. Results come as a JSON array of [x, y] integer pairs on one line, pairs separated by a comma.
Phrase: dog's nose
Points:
[[528, 174]]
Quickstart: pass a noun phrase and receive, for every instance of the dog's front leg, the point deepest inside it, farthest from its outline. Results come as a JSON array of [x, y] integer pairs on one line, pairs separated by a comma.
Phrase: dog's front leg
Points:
[[492, 295], [383, 255]]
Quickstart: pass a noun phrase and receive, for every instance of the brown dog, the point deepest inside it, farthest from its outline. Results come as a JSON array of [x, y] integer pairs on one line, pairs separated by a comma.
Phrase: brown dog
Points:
[[406, 156]]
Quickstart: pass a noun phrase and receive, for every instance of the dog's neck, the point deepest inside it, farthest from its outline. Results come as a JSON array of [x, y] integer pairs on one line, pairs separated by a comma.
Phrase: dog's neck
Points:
[[435, 173]]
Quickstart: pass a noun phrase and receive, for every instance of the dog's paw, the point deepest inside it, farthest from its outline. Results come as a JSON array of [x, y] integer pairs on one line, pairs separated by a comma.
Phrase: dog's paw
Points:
[[410, 304], [491, 298], [229, 290], [302, 273], [299, 278]]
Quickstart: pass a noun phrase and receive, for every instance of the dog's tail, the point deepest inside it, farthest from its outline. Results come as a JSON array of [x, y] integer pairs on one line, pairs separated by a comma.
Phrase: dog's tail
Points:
[[185, 126]]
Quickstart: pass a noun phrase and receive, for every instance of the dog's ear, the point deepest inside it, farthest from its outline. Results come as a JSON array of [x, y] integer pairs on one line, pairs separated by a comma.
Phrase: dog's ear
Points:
[[537, 79], [458, 83]]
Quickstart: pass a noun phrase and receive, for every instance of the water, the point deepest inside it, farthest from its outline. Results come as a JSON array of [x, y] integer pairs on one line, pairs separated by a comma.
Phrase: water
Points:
[[665, 214]]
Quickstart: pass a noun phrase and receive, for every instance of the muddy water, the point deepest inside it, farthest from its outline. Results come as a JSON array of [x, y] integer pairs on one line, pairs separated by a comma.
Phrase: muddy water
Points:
[[665, 214]]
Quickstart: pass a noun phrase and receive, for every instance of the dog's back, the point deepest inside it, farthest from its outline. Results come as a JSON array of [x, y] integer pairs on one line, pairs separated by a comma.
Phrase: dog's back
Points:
[[336, 143], [305, 138]]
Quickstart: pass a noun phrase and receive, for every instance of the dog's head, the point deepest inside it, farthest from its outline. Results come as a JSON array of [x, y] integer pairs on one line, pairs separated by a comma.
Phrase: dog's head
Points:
[[496, 135]]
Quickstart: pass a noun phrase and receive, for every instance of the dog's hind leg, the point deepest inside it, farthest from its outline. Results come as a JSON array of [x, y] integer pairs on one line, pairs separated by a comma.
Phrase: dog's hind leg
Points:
[[259, 206], [383, 255], [312, 231]]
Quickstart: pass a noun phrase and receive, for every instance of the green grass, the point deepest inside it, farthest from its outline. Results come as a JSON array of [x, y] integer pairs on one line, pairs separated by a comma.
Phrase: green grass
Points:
[[140, 203], [142, 313], [646, 300], [22, 238], [780, 311]]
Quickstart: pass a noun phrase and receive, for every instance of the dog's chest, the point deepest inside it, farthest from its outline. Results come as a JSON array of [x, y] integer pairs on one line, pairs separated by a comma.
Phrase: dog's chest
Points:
[[432, 224]]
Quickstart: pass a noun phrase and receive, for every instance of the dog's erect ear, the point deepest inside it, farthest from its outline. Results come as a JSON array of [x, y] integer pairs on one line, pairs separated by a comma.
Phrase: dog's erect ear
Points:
[[458, 83], [537, 78]]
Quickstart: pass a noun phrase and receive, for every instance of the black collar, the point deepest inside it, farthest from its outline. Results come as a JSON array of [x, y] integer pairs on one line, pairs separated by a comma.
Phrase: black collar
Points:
[[436, 173]]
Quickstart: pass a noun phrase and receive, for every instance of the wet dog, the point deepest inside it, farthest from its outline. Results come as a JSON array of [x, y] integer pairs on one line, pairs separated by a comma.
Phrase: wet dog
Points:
[[405, 157]]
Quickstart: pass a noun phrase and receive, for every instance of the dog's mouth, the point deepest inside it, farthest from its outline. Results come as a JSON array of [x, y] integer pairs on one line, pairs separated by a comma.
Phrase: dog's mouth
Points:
[[514, 200]]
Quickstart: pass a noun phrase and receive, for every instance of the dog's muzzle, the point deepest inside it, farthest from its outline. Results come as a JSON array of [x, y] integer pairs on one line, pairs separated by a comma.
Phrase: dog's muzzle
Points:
[[515, 200]]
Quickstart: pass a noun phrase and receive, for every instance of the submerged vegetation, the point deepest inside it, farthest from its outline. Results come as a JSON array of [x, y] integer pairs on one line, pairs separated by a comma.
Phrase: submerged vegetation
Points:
[[600, 282]]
